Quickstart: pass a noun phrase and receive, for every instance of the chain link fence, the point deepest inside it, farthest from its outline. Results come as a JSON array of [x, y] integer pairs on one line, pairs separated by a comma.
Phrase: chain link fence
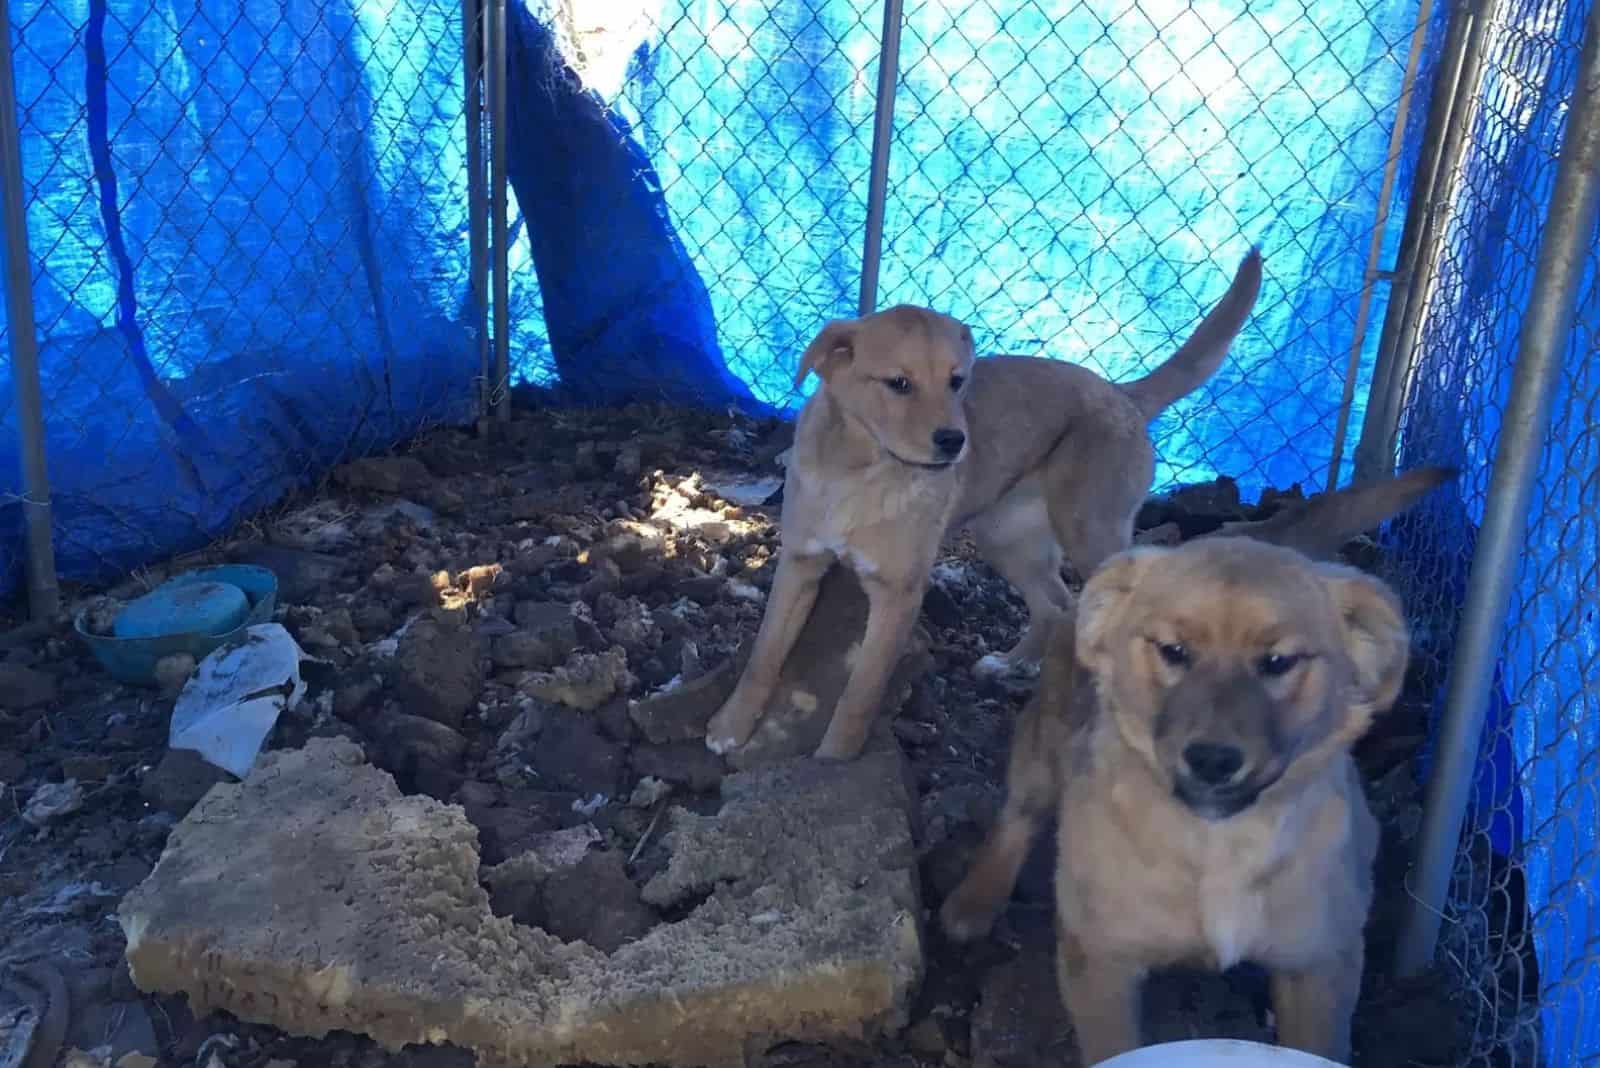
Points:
[[1518, 926], [250, 225], [249, 236], [1075, 178]]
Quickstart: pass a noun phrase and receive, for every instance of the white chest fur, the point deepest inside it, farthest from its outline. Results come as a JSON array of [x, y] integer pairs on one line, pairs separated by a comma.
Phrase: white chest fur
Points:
[[865, 521], [1231, 898]]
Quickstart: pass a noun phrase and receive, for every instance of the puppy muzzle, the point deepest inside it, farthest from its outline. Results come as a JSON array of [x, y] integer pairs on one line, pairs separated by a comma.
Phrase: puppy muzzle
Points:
[[1214, 803]]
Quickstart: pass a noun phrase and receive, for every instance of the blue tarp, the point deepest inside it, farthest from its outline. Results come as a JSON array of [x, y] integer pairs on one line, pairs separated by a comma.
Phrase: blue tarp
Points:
[[251, 221]]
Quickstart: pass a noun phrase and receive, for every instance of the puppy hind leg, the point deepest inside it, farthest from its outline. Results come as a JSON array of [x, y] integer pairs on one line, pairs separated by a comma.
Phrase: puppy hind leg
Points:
[[1017, 540], [1093, 487]]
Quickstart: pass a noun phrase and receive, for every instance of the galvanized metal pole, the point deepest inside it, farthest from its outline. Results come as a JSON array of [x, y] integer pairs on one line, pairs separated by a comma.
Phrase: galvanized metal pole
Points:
[[882, 137], [1397, 140], [500, 384], [1547, 325], [44, 594], [477, 208], [1444, 138]]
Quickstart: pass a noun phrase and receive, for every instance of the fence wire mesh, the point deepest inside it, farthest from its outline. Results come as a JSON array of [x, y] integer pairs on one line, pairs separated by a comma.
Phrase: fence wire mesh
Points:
[[1076, 178], [249, 231], [1518, 933], [1111, 160]]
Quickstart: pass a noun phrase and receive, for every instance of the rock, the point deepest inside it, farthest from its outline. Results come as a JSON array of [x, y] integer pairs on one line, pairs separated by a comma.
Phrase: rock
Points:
[[179, 781], [1196, 509], [85, 767], [52, 802], [648, 792], [612, 718], [437, 673], [1167, 534], [584, 682], [547, 634], [372, 619], [702, 589], [681, 713], [13, 766], [605, 577], [23, 688], [594, 901], [421, 754], [301, 574], [809, 933], [517, 825], [397, 476], [572, 754], [351, 699], [630, 460], [516, 885], [172, 673], [687, 764], [1019, 1018]]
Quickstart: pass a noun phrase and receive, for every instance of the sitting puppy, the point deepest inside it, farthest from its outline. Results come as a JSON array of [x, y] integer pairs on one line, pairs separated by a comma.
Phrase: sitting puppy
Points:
[[909, 438], [1193, 733]]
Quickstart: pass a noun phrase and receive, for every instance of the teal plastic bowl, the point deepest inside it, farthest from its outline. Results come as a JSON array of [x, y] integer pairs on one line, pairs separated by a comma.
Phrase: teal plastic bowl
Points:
[[192, 613]]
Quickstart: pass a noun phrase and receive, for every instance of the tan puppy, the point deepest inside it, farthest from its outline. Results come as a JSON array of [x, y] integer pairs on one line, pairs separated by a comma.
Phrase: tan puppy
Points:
[[910, 437], [1193, 733]]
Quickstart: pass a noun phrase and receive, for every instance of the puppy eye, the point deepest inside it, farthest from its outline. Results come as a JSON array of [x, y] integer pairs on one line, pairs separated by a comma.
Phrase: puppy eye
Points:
[[956, 382], [898, 384], [1174, 654], [1276, 665]]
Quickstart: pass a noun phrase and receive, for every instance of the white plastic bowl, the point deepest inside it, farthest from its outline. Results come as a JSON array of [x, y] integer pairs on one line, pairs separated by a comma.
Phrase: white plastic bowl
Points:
[[1216, 1053]]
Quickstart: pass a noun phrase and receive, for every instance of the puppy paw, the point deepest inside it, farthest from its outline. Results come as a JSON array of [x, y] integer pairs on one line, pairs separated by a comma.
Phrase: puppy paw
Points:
[[730, 728], [1005, 666], [966, 915], [837, 751]]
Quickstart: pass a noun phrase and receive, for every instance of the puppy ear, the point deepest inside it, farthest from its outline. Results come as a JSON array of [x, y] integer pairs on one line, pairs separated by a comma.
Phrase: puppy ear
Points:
[[1100, 604], [1375, 637], [835, 345]]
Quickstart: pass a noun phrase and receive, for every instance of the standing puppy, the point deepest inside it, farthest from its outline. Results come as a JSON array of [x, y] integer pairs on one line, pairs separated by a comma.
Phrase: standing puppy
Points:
[[910, 437], [1193, 733]]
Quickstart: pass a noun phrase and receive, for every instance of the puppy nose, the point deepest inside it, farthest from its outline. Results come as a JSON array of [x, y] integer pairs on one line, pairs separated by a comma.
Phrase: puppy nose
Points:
[[1212, 764], [948, 440]]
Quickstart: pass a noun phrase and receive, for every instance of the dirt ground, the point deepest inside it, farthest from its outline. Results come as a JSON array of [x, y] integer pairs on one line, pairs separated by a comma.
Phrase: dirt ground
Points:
[[433, 587]]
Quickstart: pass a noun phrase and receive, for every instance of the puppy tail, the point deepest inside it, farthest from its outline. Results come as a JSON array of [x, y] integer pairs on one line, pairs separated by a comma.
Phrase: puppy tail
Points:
[[1199, 357], [1321, 526]]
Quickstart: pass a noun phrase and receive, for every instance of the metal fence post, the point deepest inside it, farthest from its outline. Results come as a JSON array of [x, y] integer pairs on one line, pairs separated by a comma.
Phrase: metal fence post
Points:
[[1397, 139], [477, 214], [44, 594], [500, 384], [1547, 326], [882, 137], [1443, 138]]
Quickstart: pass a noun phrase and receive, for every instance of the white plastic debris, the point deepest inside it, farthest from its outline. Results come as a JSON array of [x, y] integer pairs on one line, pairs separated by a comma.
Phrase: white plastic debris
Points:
[[236, 695], [743, 490], [53, 801]]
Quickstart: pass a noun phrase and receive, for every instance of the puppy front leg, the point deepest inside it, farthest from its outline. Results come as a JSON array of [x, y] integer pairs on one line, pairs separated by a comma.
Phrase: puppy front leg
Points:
[[1314, 1007], [891, 613], [794, 593], [1101, 994]]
